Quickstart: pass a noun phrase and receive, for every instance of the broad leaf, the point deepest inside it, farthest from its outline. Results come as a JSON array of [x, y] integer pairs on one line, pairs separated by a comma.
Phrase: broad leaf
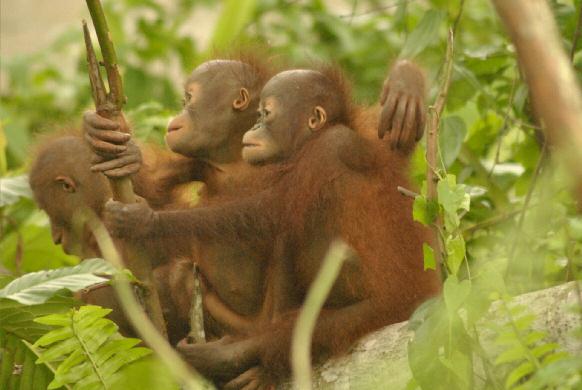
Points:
[[14, 188], [455, 253], [235, 15], [37, 287], [451, 138], [18, 319], [425, 33], [455, 293]]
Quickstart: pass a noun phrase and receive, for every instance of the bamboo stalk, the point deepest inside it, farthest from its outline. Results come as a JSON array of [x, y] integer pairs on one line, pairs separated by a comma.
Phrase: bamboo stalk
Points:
[[109, 105]]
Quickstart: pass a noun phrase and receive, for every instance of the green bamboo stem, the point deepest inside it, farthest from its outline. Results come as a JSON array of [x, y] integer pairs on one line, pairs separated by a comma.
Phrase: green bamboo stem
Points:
[[108, 51], [109, 105]]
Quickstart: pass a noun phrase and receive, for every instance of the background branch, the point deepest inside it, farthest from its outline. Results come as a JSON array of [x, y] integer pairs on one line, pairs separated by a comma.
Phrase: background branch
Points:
[[549, 74]]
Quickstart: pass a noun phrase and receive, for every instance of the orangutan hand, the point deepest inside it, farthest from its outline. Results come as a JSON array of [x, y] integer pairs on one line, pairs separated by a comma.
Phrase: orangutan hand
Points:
[[129, 221], [403, 109]]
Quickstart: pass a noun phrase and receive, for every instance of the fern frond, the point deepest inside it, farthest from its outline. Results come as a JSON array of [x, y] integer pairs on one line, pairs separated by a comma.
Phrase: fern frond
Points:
[[525, 350], [86, 348]]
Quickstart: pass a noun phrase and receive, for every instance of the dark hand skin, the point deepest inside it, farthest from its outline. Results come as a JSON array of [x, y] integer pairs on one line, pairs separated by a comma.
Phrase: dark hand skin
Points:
[[222, 359], [116, 154], [255, 378], [403, 109], [129, 221]]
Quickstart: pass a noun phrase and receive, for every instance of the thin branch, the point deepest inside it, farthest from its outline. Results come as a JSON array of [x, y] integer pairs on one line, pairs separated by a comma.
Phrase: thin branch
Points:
[[353, 12], [432, 140], [458, 18], [108, 52], [553, 85], [375, 10], [494, 221], [197, 334], [527, 200], [504, 127], [577, 33], [407, 192], [98, 90]]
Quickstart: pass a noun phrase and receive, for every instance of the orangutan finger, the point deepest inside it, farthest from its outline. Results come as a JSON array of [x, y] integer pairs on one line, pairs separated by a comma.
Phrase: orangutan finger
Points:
[[397, 122], [92, 119], [388, 109]]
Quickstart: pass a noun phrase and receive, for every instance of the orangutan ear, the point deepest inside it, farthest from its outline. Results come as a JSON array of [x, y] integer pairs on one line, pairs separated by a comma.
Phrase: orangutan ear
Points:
[[318, 119], [243, 100]]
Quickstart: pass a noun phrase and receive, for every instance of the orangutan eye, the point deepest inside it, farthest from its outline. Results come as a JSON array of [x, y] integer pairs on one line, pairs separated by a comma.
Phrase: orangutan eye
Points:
[[66, 184], [186, 99], [68, 188]]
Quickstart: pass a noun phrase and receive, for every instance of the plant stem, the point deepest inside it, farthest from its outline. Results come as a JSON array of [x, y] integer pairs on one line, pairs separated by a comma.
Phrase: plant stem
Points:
[[432, 144], [188, 377], [577, 33], [134, 257], [108, 52], [316, 296]]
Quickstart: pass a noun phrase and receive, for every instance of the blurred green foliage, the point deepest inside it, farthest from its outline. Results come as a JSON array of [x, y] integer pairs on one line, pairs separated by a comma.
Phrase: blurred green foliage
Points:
[[490, 143]]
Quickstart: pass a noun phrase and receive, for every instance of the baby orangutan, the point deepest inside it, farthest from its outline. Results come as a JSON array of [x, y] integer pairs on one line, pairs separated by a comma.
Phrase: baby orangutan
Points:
[[63, 185]]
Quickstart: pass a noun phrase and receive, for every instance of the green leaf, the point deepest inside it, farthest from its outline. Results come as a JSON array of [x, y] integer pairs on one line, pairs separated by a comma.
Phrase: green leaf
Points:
[[451, 138], [455, 253], [3, 162], [18, 319], [14, 188], [455, 293], [544, 349], [511, 355], [520, 372], [575, 226], [561, 374], [234, 16], [37, 287], [34, 242], [147, 373], [425, 33], [424, 211], [419, 210], [461, 366], [452, 197], [534, 337], [92, 353], [524, 322], [428, 255]]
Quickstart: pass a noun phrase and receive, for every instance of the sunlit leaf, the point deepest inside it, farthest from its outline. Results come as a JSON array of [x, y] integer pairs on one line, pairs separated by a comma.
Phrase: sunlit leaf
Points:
[[14, 188], [37, 287], [86, 348], [428, 255], [455, 253]]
